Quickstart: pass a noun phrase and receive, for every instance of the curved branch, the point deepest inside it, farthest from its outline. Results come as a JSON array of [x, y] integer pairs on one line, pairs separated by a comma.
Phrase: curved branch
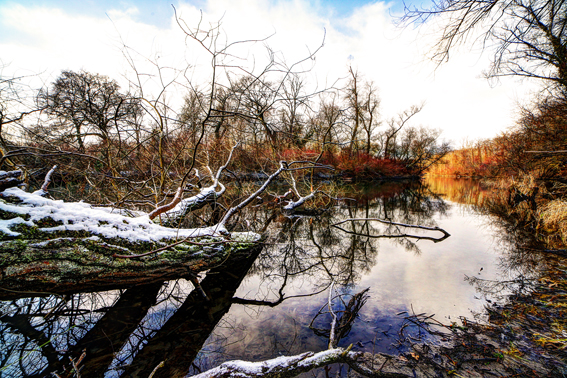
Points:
[[169, 206], [435, 240]]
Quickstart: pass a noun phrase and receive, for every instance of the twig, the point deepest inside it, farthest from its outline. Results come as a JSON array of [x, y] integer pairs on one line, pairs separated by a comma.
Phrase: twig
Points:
[[332, 340], [156, 368]]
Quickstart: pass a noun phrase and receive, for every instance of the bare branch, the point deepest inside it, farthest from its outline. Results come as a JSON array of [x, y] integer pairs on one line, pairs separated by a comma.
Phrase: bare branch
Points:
[[169, 206], [295, 365], [436, 240]]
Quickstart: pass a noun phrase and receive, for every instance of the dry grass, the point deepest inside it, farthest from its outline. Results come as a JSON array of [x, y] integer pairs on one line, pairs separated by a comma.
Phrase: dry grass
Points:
[[553, 218]]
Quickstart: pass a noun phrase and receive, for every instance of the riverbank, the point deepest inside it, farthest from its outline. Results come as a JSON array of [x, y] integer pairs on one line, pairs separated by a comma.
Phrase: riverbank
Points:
[[526, 334]]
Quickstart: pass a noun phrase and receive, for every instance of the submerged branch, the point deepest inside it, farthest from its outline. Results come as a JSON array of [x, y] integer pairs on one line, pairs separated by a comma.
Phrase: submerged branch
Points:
[[435, 240]]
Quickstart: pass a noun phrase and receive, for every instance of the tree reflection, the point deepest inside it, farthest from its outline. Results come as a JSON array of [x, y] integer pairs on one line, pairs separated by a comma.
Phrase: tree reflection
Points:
[[130, 332], [308, 246], [93, 332], [522, 254]]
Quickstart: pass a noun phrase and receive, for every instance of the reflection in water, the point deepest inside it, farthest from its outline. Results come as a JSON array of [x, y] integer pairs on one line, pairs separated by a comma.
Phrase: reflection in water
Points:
[[95, 331], [129, 333], [403, 275]]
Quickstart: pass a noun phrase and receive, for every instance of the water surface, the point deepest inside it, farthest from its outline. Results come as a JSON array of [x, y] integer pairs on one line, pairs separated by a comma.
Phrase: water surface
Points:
[[262, 307]]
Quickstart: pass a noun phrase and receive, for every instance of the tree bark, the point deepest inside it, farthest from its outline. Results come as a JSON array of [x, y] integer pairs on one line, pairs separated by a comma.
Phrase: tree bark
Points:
[[52, 247]]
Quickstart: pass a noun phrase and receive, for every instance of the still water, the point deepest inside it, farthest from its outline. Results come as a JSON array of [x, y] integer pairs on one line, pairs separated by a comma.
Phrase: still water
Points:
[[262, 308]]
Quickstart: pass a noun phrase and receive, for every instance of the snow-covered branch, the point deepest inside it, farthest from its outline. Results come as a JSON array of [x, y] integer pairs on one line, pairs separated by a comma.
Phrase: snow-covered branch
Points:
[[294, 204], [168, 206], [175, 211], [43, 191], [250, 198], [294, 365]]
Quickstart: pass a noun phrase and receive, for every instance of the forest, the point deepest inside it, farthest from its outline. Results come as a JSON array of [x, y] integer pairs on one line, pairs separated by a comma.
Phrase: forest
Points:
[[132, 215]]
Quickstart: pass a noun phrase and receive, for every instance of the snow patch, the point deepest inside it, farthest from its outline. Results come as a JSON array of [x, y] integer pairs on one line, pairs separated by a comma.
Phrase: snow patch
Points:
[[6, 224], [245, 237], [79, 216]]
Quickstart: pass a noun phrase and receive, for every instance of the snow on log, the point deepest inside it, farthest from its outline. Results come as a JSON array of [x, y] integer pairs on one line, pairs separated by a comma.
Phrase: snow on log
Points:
[[292, 366], [52, 245], [33, 210], [10, 179]]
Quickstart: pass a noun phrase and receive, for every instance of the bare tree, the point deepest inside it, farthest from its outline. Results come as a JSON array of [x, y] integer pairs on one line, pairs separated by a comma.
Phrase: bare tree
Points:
[[352, 97], [295, 106], [363, 103], [92, 104], [395, 124], [530, 36], [419, 148], [369, 118], [16, 102]]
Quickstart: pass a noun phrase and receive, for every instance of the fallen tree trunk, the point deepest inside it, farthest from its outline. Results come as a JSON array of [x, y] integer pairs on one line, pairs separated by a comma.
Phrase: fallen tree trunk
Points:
[[53, 247]]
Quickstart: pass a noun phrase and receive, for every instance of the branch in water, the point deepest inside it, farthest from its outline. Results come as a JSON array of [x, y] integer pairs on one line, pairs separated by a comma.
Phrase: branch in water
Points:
[[435, 240], [295, 365]]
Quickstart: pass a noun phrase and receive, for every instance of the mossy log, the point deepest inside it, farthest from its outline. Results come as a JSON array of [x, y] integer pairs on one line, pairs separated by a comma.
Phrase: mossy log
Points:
[[54, 247]]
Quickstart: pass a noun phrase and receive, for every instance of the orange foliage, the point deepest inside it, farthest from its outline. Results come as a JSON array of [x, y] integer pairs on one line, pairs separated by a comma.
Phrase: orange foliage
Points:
[[484, 159], [363, 165], [536, 144]]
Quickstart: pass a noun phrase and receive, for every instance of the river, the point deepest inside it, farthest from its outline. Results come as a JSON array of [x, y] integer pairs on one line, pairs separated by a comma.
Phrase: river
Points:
[[262, 307]]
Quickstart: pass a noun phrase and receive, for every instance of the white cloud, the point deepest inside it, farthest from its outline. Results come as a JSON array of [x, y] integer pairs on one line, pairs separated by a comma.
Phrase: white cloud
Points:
[[458, 100]]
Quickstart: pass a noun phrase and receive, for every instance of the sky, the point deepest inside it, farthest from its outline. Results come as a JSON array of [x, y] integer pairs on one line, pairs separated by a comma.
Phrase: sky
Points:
[[44, 37]]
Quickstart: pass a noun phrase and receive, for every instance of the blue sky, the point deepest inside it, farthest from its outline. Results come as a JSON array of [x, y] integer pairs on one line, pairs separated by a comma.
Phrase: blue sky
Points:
[[158, 12]]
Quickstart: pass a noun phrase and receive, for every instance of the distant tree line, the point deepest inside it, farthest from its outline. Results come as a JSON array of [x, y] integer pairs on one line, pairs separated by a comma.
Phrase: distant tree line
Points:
[[90, 126]]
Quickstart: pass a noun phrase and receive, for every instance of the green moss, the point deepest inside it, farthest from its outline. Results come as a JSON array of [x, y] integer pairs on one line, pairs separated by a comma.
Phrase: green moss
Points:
[[10, 199], [6, 215], [69, 256], [48, 222]]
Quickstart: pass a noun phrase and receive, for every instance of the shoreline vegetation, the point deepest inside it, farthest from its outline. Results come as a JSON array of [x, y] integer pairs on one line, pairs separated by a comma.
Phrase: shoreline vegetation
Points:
[[523, 176]]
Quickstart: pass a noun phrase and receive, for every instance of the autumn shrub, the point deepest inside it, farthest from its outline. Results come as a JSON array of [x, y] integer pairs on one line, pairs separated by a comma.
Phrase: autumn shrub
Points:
[[296, 154], [537, 143], [482, 160], [362, 165]]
